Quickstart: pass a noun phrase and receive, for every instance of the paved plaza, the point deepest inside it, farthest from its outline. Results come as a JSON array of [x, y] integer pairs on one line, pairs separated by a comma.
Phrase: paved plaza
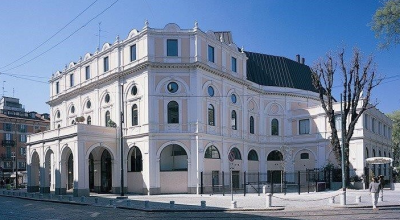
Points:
[[192, 202]]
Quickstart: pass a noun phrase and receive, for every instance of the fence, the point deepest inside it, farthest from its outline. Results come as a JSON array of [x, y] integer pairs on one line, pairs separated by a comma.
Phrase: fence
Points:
[[271, 182]]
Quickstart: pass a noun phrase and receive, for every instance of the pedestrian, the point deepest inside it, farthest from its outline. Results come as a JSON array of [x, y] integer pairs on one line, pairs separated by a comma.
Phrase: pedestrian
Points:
[[381, 185], [2, 183], [374, 189]]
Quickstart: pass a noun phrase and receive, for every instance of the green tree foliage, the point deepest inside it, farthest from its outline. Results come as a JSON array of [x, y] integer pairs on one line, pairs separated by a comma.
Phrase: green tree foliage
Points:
[[395, 116], [386, 23]]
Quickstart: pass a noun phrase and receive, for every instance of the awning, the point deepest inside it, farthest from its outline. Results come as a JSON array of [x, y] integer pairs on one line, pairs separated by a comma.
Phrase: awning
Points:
[[379, 160], [19, 175]]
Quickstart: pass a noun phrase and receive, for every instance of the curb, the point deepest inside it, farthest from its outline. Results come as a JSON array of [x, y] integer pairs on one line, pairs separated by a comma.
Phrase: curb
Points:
[[153, 210]]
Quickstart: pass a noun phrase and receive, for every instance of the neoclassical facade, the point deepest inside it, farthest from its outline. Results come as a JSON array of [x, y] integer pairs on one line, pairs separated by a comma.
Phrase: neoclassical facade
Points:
[[178, 101]]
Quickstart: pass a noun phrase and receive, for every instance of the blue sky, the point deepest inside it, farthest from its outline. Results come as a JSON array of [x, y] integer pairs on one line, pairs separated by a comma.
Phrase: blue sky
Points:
[[282, 28]]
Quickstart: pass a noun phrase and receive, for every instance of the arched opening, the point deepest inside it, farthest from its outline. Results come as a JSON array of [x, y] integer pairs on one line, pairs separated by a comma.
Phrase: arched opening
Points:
[[135, 168], [106, 173], [212, 169], [253, 162], [91, 172], [251, 125], [275, 166], [236, 170], [173, 167], [34, 181]]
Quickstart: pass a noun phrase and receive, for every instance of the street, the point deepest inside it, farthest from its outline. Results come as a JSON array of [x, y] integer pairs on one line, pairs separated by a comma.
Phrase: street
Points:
[[21, 209]]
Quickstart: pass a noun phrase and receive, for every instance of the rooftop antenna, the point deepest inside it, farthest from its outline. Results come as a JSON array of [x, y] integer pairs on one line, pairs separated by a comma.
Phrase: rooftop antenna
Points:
[[98, 46]]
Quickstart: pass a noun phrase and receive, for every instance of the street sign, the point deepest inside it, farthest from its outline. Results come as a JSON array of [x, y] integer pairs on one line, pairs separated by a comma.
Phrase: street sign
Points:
[[231, 156]]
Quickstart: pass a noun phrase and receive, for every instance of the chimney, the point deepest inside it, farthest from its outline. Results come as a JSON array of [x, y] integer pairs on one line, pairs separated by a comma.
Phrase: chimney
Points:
[[303, 60], [298, 58]]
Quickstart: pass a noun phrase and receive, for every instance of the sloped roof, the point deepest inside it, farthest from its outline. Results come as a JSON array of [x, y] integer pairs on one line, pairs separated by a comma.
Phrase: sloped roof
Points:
[[268, 70]]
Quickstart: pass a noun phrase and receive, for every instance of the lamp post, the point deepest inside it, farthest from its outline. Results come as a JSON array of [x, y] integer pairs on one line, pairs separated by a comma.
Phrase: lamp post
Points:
[[14, 159], [343, 200]]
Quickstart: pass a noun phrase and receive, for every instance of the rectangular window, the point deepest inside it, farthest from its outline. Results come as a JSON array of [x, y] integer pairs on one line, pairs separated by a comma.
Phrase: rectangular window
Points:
[[384, 131], [22, 138], [8, 136], [133, 52], [21, 164], [215, 177], [71, 80], [304, 126], [22, 151], [366, 118], [57, 87], [379, 128], [87, 72], [8, 152], [8, 165], [22, 128], [172, 47], [373, 125], [211, 53], [338, 122], [106, 66], [7, 127], [234, 64]]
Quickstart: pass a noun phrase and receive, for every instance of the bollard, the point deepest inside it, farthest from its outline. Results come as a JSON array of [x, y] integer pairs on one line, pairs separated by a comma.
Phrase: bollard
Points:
[[128, 202], [40, 196], [96, 200], [83, 199], [146, 204], [332, 200], [233, 205], [203, 204], [171, 204], [343, 198], [269, 200], [60, 197], [358, 199], [264, 189]]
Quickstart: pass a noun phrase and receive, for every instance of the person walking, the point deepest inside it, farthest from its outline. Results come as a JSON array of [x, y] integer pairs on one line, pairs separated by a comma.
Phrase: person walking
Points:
[[374, 188]]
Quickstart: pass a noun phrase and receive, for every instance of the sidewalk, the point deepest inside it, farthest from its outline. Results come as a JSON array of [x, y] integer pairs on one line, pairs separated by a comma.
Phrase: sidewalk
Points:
[[192, 202]]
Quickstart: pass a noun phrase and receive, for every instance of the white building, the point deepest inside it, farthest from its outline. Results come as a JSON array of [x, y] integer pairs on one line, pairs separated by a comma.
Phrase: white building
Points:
[[189, 98]]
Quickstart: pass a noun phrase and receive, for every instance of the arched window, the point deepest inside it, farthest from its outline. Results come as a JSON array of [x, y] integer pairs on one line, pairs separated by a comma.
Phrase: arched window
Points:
[[252, 156], [108, 119], [212, 153], [173, 158], [304, 156], [233, 120], [173, 112], [274, 127], [366, 153], [73, 122], [211, 115], [134, 115], [237, 154], [251, 125], [135, 163], [275, 156]]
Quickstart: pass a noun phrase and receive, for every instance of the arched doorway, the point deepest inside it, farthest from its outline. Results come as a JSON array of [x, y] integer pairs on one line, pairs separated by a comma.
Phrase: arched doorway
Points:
[[91, 173], [135, 167], [106, 173], [212, 176], [70, 171], [275, 166], [173, 167], [34, 181]]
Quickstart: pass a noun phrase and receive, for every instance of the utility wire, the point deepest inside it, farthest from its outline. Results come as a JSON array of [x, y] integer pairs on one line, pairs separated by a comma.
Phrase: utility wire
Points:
[[51, 37], [39, 55]]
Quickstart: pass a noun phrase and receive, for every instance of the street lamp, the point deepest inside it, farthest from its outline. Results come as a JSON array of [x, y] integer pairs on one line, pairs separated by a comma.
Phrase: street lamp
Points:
[[14, 159]]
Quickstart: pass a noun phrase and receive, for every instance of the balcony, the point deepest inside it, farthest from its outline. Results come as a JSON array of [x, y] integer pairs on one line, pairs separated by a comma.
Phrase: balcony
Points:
[[7, 143]]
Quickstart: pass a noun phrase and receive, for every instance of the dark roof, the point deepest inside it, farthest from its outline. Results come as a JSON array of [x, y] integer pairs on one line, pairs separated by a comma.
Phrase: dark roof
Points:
[[268, 70]]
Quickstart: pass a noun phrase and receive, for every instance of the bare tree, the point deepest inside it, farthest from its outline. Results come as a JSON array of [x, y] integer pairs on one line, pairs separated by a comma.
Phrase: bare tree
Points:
[[358, 81]]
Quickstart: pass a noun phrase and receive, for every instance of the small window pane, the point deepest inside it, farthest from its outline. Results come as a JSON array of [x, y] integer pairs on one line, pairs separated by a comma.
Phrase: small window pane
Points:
[[87, 72], [210, 53], [172, 87], [211, 91], [134, 90], [233, 120], [252, 156], [304, 156], [173, 112], [106, 64], [133, 52], [234, 64], [211, 115], [233, 98], [212, 153], [172, 47], [274, 127], [304, 126]]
